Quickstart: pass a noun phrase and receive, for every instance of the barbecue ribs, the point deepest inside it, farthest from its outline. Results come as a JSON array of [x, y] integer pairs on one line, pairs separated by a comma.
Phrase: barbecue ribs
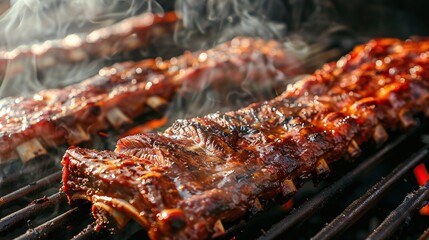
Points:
[[123, 91], [180, 183], [129, 34]]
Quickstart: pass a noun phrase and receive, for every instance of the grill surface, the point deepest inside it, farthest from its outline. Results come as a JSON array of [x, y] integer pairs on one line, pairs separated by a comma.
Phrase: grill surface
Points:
[[342, 204], [375, 197]]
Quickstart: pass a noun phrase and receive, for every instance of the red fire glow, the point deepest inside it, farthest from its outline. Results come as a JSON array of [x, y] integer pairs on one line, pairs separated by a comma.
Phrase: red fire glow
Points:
[[422, 177]]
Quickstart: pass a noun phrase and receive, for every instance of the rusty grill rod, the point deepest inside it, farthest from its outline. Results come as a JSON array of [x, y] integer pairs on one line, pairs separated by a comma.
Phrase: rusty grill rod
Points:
[[360, 206], [32, 187], [425, 235], [412, 202], [310, 207], [47, 163], [9, 222], [55, 224]]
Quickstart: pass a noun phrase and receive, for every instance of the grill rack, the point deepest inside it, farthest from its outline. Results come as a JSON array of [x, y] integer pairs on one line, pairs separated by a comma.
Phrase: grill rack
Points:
[[45, 217]]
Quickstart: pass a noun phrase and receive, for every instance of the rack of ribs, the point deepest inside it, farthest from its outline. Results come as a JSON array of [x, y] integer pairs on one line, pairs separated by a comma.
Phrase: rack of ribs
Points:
[[183, 182], [124, 91], [129, 34]]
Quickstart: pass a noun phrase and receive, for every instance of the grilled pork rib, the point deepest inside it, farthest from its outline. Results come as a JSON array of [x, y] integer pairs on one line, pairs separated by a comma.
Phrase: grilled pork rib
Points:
[[126, 35], [180, 183], [123, 91]]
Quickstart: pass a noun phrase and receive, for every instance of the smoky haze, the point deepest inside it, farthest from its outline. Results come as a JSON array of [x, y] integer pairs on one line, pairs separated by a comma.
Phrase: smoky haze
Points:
[[206, 24], [28, 22]]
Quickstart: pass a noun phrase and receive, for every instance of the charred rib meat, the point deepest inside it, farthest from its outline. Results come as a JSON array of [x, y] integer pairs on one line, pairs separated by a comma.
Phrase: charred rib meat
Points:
[[126, 35], [123, 91], [182, 182]]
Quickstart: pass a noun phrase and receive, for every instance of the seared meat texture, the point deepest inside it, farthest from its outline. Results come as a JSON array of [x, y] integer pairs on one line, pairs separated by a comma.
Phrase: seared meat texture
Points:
[[180, 183], [124, 91]]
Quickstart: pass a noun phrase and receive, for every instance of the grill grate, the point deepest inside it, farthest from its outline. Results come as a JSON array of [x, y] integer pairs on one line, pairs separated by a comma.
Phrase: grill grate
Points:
[[310, 207], [364, 203], [411, 203], [47, 216]]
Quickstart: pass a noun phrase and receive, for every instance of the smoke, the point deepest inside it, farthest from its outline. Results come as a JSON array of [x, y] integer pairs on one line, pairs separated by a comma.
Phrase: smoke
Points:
[[306, 29], [209, 22], [28, 22], [33, 21], [206, 24]]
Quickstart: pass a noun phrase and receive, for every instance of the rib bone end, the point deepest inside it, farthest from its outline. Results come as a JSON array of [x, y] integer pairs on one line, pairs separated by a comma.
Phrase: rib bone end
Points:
[[30, 149], [218, 229], [156, 102], [257, 206], [77, 135], [288, 188], [353, 150], [322, 169], [117, 118], [103, 212], [380, 135], [407, 119]]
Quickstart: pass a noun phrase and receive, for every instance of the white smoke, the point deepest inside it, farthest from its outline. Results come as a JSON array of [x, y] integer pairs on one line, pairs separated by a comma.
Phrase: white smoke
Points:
[[28, 22], [206, 24], [221, 20], [32, 21]]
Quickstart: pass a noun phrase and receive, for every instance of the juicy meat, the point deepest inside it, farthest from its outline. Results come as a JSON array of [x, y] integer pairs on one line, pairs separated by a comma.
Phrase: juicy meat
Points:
[[126, 35], [179, 183], [123, 91]]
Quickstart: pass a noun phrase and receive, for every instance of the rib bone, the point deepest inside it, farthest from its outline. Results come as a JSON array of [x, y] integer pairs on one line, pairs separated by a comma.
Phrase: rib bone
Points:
[[322, 169], [120, 218], [77, 135], [257, 206], [380, 135], [218, 229], [407, 119], [30, 149], [353, 150], [288, 188], [156, 102], [117, 118]]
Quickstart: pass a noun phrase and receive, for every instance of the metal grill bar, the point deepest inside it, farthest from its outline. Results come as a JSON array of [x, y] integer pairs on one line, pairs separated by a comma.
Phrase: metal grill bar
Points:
[[425, 235], [21, 175], [9, 222], [411, 203], [38, 185], [311, 206], [355, 210], [57, 223]]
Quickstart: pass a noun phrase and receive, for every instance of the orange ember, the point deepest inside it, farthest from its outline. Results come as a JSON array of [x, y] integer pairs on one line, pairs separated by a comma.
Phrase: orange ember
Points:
[[422, 177], [146, 127]]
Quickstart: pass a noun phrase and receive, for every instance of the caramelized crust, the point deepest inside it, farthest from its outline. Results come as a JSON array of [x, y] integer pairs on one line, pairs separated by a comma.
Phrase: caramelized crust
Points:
[[182, 181]]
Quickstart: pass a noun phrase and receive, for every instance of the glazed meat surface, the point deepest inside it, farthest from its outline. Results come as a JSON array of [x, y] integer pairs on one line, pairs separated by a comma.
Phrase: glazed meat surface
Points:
[[120, 93], [180, 183]]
